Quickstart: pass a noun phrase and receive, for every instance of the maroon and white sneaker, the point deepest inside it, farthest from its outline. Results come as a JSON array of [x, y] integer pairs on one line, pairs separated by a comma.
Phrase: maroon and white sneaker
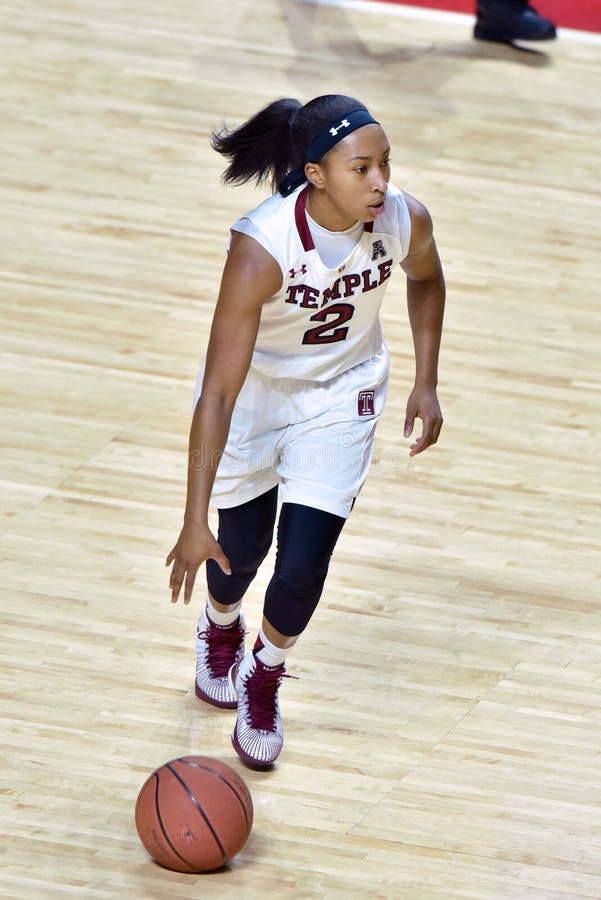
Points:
[[258, 736], [218, 648]]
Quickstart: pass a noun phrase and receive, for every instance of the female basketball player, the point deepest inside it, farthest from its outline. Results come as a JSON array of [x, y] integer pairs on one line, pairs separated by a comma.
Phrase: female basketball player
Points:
[[294, 384]]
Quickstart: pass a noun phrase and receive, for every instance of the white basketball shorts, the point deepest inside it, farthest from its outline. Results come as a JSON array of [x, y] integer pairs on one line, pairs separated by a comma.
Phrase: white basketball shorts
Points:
[[314, 439]]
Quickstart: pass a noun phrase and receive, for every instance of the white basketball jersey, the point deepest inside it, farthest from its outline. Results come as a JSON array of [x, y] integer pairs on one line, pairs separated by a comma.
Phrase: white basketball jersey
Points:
[[323, 321]]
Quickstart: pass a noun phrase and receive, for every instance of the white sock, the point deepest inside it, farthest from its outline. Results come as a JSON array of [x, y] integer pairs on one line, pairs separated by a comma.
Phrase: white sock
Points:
[[220, 618], [269, 654]]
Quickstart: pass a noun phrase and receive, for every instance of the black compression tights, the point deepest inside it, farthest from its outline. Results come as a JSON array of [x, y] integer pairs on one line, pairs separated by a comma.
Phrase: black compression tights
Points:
[[306, 541]]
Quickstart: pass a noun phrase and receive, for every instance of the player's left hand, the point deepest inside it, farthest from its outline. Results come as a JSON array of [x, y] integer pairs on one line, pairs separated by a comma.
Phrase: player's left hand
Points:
[[423, 404]]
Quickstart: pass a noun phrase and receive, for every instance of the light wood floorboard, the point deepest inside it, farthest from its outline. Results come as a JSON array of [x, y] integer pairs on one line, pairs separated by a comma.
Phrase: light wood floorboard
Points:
[[443, 737]]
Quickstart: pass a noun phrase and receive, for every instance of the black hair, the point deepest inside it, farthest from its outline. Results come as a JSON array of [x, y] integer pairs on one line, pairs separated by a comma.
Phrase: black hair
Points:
[[273, 142]]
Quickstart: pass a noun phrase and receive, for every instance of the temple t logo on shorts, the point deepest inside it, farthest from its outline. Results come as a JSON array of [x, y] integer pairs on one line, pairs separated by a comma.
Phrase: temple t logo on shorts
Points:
[[344, 124], [365, 403]]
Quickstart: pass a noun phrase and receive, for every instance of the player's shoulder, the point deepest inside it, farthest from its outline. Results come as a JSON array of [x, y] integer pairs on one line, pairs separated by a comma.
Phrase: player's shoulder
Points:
[[271, 224], [420, 216], [396, 214], [393, 191], [272, 208], [395, 200]]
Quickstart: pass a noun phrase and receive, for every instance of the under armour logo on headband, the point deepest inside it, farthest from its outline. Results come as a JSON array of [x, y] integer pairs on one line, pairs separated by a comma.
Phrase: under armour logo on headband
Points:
[[331, 135], [344, 124]]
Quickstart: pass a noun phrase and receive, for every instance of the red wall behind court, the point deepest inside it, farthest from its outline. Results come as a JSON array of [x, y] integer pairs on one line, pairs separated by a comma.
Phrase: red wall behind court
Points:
[[583, 15]]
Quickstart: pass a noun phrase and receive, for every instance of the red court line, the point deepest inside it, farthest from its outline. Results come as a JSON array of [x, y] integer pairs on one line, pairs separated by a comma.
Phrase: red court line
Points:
[[583, 15]]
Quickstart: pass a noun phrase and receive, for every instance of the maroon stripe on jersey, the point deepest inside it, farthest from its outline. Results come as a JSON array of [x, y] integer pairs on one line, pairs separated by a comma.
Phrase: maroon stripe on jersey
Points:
[[304, 232], [301, 220]]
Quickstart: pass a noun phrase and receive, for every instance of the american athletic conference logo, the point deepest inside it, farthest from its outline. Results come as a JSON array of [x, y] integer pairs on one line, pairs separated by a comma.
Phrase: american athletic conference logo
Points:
[[365, 403]]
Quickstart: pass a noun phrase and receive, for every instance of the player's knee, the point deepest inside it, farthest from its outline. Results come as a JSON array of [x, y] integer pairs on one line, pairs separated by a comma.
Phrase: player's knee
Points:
[[291, 601], [245, 556], [300, 579], [226, 589], [245, 559]]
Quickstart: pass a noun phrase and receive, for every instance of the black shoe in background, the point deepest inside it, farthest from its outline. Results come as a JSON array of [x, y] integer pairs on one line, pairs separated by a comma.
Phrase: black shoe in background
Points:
[[511, 20]]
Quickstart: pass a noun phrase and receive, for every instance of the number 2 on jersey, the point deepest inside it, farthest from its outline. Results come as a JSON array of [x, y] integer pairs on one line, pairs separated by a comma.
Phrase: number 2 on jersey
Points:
[[330, 330]]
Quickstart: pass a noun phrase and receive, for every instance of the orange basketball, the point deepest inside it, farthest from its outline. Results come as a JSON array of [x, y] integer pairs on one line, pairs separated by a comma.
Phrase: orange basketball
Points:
[[194, 814]]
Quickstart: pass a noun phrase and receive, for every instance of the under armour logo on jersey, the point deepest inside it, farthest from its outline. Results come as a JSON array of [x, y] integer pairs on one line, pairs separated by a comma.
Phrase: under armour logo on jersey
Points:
[[344, 124], [294, 272], [365, 403], [378, 250]]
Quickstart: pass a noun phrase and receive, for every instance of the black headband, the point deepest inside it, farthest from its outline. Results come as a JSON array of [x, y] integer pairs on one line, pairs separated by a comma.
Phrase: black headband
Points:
[[324, 142], [330, 136]]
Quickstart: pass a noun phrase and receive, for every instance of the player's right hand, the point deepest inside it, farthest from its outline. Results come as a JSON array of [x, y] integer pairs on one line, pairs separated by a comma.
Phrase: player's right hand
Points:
[[194, 546]]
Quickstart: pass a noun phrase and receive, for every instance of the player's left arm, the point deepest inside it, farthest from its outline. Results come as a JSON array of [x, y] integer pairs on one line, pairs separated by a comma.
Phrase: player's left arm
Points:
[[425, 302]]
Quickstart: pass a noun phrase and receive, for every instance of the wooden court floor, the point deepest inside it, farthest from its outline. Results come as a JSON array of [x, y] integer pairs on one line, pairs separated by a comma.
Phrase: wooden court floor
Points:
[[443, 737]]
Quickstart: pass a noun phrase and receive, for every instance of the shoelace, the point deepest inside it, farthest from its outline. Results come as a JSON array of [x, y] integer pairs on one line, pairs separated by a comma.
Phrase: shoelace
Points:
[[261, 688], [223, 644]]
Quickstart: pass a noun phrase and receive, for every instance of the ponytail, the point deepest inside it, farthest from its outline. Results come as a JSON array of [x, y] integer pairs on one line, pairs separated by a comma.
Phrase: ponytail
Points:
[[260, 149], [271, 146]]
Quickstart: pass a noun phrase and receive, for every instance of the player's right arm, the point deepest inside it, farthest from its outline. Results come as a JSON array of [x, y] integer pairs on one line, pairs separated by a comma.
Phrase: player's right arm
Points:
[[250, 277]]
